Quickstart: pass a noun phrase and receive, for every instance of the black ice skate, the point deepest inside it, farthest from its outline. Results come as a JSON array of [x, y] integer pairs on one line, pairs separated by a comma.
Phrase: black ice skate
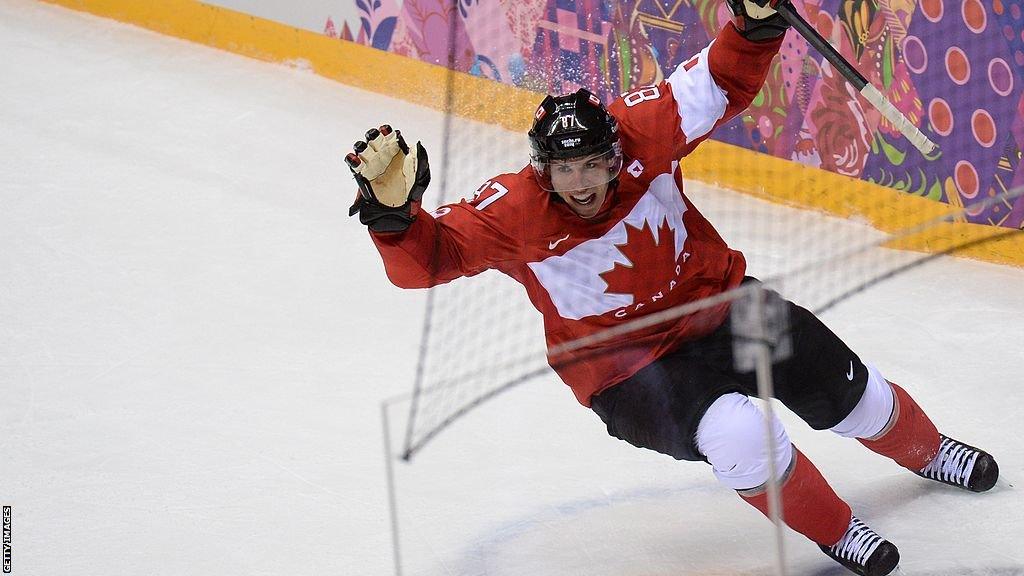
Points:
[[963, 466], [863, 551]]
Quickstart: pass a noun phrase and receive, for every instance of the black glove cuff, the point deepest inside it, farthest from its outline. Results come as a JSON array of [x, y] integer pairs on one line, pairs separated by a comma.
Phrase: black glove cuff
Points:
[[380, 218], [761, 30]]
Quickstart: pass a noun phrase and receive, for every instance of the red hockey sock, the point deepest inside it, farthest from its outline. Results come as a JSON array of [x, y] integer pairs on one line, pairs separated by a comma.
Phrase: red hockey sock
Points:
[[809, 505], [913, 440]]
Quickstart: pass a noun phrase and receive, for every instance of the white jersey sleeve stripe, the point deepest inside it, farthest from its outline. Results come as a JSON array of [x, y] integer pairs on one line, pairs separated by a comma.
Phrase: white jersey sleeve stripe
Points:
[[701, 102]]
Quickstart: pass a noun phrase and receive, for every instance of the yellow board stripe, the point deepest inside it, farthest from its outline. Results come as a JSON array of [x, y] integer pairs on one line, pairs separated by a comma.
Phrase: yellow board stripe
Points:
[[886, 209], [479, 99]]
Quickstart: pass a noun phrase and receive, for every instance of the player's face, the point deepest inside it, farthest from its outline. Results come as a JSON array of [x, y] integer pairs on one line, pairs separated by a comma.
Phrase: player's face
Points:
[[582, 183]]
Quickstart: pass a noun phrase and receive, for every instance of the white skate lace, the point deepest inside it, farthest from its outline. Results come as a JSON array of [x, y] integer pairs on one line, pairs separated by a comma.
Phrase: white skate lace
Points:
[[858, 543], [954, 463]]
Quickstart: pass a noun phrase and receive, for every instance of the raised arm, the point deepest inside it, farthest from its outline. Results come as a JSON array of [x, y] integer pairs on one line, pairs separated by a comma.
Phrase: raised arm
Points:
[[421, 249], [704, 92], [720, 82], [460, 239]]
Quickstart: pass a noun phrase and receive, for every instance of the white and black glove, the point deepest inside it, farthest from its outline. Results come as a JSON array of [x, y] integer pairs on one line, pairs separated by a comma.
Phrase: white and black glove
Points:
[[391, 180], [757, 20]]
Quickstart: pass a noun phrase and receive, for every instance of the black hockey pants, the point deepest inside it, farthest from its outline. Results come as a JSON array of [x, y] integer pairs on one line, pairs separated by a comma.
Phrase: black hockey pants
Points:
[[660, 406]]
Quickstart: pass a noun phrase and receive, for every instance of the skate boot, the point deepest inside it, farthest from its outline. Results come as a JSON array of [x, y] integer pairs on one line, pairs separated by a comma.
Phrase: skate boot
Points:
[[963, 466], [863, 551]]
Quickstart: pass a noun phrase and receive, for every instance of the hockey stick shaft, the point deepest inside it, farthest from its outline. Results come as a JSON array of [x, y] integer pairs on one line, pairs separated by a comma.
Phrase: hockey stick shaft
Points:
[[872, 94]]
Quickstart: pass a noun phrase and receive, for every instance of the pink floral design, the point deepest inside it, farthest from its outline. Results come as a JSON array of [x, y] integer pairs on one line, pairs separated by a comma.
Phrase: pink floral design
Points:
[[401, 42], [493, 40], [428, 29], [839, 124], [522, 16], [377, 21]]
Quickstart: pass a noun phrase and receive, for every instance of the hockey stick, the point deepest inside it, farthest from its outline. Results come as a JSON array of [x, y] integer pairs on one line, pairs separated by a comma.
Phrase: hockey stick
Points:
[[876, 98]]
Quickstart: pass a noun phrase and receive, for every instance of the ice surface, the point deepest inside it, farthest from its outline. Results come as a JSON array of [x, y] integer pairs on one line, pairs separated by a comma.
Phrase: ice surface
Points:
[[195, 339]]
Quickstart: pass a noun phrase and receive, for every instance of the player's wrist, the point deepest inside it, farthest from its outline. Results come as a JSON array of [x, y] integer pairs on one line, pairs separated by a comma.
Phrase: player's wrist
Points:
[[383, 219], [757, 20]]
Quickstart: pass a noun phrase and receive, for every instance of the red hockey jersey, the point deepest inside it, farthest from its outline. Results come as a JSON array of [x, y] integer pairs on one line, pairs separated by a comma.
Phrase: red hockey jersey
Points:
[[649, 249]]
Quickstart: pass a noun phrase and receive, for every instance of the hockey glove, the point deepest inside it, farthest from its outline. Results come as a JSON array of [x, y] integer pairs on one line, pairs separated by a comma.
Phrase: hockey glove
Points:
[[391, 180], [757, 20]]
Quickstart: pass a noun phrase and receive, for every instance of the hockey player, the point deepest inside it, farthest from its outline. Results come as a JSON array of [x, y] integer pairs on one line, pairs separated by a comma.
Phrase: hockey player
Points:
[[602, 183]]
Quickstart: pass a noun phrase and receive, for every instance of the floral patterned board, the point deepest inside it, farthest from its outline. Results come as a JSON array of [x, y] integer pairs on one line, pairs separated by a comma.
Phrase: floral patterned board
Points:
[[953, 67]]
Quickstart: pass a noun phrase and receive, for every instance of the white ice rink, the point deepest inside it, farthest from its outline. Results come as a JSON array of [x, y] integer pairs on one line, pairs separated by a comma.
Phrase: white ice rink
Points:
[[195, 339]]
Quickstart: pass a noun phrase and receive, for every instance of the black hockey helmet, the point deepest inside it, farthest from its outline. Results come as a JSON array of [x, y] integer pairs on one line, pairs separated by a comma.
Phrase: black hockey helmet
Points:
[[570, 127]]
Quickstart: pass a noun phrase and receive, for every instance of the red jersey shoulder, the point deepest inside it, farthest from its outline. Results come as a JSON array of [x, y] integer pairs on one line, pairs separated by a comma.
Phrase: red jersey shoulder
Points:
[[498, 208], [649, 124], [504, 192]]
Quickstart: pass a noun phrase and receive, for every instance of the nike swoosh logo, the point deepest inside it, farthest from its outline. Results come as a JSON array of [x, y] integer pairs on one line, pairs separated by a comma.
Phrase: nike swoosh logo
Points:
[[551, 245], [849, 375]]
